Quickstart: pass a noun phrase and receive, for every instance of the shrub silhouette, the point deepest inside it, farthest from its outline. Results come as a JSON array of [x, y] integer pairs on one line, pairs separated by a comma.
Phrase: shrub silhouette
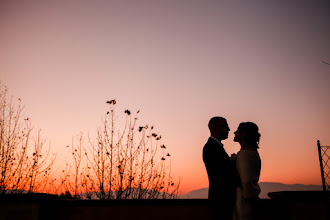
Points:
[[127, 163], [24, 164]]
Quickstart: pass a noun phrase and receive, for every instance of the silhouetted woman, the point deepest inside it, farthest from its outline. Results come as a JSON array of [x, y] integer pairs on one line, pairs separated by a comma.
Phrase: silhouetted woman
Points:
[[248, 165]]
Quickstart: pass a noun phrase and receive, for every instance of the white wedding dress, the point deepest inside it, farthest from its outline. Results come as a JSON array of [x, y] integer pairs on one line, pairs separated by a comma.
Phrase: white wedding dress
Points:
[[248, 165]]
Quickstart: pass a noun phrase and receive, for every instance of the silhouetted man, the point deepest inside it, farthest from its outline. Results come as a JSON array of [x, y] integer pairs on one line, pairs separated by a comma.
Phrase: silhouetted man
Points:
[[221, 172]]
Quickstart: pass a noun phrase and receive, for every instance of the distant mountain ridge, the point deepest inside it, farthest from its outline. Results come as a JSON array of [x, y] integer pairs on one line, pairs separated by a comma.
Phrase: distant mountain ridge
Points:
[[266, 187]]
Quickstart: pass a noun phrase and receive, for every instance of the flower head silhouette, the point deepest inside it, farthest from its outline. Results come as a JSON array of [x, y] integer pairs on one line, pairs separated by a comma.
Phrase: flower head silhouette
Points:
[[113, 101]]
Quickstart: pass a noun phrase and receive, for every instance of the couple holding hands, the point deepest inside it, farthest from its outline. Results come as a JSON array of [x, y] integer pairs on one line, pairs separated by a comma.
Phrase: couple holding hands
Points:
[[233, 181]]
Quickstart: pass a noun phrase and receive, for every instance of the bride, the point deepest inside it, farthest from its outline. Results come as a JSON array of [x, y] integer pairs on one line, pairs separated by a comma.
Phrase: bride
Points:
[[248, 165]]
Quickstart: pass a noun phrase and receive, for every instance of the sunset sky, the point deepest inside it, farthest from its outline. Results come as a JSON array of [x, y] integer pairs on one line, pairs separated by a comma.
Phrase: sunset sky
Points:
[[180, 63]]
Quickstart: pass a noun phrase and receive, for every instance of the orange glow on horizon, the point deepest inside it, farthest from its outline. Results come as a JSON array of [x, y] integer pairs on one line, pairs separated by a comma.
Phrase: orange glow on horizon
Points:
[[180, 64]]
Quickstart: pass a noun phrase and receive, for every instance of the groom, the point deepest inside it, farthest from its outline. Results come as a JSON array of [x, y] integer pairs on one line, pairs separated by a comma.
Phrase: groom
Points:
[[220, 171]]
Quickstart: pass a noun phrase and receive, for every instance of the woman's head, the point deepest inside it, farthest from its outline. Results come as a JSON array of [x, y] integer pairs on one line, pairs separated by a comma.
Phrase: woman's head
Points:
[[248, 132]]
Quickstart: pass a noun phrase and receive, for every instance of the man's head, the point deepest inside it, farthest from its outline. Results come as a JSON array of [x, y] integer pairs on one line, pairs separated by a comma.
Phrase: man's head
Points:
[[219, 128]]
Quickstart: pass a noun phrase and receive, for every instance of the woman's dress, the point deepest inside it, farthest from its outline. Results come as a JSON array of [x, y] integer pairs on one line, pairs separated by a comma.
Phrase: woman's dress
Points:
[[248, 165]]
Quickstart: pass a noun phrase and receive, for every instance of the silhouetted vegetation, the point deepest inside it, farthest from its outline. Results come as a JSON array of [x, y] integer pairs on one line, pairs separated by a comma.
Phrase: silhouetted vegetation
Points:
[[118, 163], [24, 164], [127, 163]]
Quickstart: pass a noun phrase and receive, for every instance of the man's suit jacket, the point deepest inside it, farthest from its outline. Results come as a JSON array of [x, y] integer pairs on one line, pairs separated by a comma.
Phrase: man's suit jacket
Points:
[[221, 173]]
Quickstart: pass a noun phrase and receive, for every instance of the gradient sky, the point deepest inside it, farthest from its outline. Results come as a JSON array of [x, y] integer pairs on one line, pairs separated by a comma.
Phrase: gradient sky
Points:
[[180, 63]]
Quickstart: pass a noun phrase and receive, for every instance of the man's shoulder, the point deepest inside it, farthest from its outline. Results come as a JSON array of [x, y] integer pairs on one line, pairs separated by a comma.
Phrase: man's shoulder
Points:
[[211, 146], [210, 142]]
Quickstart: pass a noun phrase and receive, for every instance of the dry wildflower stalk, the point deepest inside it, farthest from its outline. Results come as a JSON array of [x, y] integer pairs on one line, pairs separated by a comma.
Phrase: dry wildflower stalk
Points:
[[24, 165], [121, 164]]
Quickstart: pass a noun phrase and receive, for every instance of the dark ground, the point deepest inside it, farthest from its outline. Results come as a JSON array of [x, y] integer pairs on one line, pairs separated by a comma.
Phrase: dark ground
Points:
[[283, 205]]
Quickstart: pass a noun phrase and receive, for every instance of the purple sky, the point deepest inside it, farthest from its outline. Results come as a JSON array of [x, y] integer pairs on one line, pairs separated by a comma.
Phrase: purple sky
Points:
[[180, 63]]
